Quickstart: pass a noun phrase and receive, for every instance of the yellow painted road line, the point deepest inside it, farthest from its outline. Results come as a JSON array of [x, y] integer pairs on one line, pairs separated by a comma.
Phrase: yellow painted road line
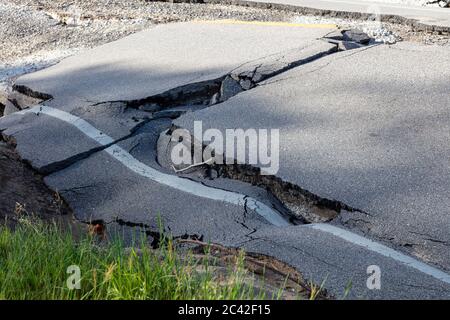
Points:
[[270, 23]]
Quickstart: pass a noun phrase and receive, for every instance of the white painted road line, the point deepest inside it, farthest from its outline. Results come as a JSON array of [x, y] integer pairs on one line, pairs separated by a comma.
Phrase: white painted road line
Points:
[[203, 191], [383, 250], [142, 169]]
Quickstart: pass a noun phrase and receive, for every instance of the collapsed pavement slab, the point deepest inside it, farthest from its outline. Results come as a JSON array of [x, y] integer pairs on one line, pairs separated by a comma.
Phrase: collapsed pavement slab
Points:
[[157, 60], [368, 128], [99, 185], [100, 188], [163, 63]]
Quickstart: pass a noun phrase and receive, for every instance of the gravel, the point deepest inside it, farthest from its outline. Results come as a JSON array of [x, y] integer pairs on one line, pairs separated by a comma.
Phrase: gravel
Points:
[[380, 32]]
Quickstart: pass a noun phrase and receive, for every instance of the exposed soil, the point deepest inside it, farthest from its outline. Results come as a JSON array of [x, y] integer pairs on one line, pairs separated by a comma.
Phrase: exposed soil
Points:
[[22, 191], [262, 272]]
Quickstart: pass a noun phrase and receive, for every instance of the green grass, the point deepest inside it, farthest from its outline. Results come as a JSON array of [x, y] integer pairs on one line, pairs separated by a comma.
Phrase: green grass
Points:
[[34, 258]]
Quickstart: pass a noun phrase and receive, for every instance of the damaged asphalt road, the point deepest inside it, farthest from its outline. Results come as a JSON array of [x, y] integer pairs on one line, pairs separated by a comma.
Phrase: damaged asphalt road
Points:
[[131, 90], [135, 68], [376, 141]]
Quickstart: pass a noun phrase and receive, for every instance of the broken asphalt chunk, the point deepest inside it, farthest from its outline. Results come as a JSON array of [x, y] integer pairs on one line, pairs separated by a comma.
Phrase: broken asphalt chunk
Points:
[[355, 35], [230, 87]]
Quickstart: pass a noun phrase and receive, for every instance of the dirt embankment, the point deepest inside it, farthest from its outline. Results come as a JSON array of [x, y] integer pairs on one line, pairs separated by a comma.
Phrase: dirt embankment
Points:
[[22, 191]]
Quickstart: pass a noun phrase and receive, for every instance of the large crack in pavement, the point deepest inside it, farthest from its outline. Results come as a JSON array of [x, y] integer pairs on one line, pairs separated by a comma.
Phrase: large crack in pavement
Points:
[[297, 204], [302, 205], [157, 110], [53, 167], [358, 220], [242, 78]]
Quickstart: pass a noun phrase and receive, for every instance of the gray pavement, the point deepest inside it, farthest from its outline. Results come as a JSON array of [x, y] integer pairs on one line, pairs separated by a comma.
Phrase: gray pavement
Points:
[[368, 128], [167, 56], [333, 138], [324, 257], [101, 188], [142, 65]]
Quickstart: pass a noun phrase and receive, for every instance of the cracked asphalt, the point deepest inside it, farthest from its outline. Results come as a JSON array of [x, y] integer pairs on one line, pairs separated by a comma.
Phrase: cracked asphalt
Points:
[[373, 140], [376, 141]]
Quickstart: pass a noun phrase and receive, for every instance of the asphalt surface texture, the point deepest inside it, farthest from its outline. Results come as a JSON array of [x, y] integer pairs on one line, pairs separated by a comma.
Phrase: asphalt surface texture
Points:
[[353, 128], [376, 141]]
